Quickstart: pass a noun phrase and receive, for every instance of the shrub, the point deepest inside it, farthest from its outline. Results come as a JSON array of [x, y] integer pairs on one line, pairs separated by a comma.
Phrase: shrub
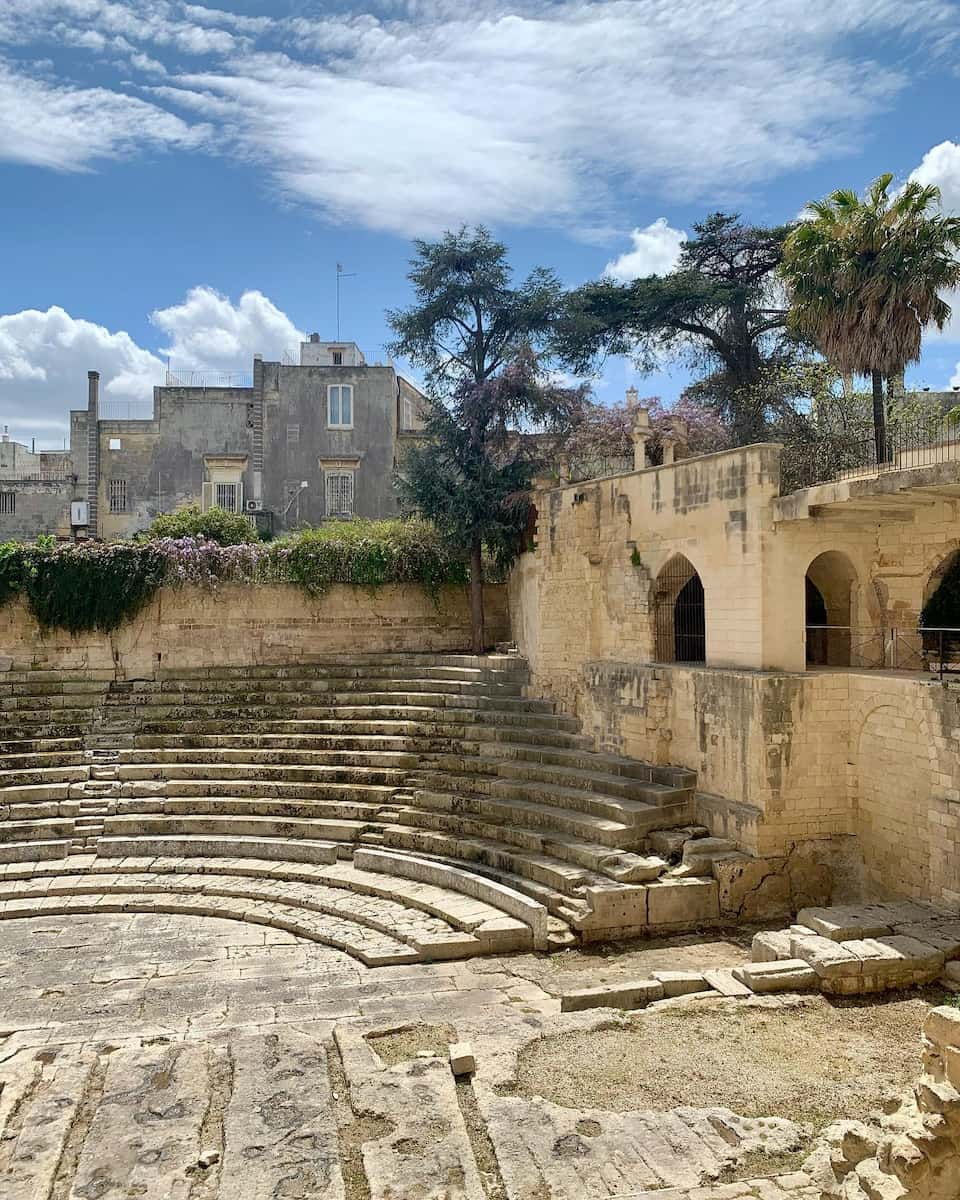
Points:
[[207, 564], [215, 525], [90, 585], [12, 568], [369, 554]]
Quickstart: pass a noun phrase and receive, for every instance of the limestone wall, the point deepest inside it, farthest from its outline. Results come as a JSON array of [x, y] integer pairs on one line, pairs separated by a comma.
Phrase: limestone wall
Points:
[[239, 626]]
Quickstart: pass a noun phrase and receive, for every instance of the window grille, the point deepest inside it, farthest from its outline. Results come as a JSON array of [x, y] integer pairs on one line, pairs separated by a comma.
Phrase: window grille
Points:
[[8, 504], [117, 495], [680, 613], [339, 494], [338, 358], [222, 495], [340, 406], [226, 496], [293, 434]]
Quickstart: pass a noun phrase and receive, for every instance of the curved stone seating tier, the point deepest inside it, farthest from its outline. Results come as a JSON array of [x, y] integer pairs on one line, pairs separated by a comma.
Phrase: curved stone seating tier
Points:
[[437, 759]]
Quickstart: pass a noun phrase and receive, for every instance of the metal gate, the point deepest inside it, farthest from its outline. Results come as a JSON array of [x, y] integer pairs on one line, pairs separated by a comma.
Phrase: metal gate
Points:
[[680, 614]]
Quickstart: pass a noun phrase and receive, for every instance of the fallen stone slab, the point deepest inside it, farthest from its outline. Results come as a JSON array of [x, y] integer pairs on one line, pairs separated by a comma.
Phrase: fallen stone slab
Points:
[[633, 868], [830, 960], [670, 842], [789, 975], [699, 854], [624, 995], [770, 946], [841, 923], [723, 981], [680, 983]]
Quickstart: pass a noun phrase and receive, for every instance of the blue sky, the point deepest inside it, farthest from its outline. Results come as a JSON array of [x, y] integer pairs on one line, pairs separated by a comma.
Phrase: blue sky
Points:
[[180, 179]]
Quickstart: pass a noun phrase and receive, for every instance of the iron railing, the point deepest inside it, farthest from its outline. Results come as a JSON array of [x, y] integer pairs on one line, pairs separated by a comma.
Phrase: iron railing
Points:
[[208, 379], [125, 410], [926, 649], [924, 441], [36, 476]]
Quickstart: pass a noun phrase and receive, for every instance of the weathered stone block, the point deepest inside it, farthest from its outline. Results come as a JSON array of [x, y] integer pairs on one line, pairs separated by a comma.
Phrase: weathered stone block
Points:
[[682, 903], [770, 946], [626, 996], [790, 975], [680, 983], [462, 1061]]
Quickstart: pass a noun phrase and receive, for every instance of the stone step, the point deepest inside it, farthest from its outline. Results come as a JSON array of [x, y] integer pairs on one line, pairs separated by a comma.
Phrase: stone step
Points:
[[344, 793], [417, 663], [321, 683], [549, 881], [584, 758], [250, 806], [431, 936], [369, 946], [12, 779], [279, 849], [313, 829], [27, 760], [360, 718], [530, 815], [40, 830], [586, 855], [266, 772], [365, 758], [180, 703], [592, 778], [456, 879]]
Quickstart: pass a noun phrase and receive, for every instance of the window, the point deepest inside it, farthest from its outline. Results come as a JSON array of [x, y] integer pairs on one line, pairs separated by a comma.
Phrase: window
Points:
[[8, 504], [339, 486], [293, 434], [114, 443], [337, 356], [117, 495], [340, 406], [225, 496]]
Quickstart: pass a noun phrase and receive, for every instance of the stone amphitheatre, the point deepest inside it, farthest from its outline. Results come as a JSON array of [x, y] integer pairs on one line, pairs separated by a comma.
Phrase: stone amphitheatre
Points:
[[299, 900]]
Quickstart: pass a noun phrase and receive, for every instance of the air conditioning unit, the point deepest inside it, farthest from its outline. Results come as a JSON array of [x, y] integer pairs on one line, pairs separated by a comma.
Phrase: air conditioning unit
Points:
[[254, 506]]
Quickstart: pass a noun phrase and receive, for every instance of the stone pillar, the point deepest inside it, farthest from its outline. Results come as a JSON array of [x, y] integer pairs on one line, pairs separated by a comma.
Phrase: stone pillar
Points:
[[93, 450], [257, 431], [639, 436], [668, 444]]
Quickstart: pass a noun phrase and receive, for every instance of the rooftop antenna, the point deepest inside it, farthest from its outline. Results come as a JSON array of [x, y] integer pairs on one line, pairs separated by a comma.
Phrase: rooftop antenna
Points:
[[341, 274]]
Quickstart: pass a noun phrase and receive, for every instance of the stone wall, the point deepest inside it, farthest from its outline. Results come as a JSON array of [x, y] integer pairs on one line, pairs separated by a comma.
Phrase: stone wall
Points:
[[240, 626], [912, 1152]]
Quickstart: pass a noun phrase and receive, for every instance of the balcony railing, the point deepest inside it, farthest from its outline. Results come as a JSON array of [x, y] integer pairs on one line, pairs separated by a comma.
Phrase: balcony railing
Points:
[[208, 379], [927, 649], [922, 442]]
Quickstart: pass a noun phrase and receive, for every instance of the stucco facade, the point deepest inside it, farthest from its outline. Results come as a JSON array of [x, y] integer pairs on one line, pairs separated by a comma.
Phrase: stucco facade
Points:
[[297, 444]]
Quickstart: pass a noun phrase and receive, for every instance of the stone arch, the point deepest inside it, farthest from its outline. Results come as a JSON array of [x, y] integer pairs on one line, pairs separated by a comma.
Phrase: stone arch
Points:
[[943, 588], [831, 585], [679, 606], [895, 772]]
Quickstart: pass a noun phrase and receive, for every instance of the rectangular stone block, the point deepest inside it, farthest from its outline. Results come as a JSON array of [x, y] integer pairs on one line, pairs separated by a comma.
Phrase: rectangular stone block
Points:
[[626, 996], [770, 946], [841, 923], [829, 959], [942, 1026], [682, 902], [680, 983], [790, 975]]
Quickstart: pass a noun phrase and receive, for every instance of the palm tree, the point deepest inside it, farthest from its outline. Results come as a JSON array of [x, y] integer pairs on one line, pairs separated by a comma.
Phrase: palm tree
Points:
[[865, 276]]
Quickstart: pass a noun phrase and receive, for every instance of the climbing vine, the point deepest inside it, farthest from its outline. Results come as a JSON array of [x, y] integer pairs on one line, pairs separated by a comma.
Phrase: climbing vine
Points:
[[99, 586]]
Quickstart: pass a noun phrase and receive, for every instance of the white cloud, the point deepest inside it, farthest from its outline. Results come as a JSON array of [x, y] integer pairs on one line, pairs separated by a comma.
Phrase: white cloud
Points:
[[208, 331], [45, 356], [940, 166], [66, 127], [412, 115], [655, 252], [44, 359]]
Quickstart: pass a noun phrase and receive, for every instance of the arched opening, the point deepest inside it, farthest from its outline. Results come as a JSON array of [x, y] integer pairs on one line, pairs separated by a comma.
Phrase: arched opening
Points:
[[940, 618], [680, 611], [830, 595]]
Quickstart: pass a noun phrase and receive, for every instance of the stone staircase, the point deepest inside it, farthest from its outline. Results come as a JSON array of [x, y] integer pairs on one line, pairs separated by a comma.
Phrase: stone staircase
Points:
[[441, 764]]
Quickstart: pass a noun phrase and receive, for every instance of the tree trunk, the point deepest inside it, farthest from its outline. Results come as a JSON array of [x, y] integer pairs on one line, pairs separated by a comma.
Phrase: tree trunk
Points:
[[476, 596], [879, 418]]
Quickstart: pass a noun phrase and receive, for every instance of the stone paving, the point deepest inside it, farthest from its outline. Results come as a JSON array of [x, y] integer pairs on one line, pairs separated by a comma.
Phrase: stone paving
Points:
[[177, 1057]]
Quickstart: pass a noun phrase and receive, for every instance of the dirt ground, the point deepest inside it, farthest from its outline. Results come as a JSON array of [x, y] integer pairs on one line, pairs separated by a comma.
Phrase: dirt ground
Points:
[[813, 1062]]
